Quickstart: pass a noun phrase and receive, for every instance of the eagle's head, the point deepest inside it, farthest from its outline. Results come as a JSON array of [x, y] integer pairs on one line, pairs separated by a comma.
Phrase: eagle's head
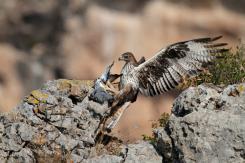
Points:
[[127, 57]]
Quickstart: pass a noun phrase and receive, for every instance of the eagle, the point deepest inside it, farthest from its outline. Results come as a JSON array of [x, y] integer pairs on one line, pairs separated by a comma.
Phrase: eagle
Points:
[[164, 71], [168, 67]]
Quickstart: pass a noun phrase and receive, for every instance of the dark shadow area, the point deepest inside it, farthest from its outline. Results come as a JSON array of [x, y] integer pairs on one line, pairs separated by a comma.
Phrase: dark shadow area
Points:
[[123, 5], [193, 3], [236, 6], [2, 80]]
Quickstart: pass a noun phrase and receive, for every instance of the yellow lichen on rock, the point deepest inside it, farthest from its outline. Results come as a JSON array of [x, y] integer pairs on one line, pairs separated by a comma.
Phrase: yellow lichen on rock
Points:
[[240, 88], [32, 100], [40, 96], [67, 84], [77, 88], [37, 97], [64, 84]]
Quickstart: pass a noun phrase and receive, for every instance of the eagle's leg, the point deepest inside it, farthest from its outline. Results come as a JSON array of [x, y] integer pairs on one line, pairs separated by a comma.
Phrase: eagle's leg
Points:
[[109, 122], [122, 101], [113, 120], [123, 96], [111, 88], [108, 87]]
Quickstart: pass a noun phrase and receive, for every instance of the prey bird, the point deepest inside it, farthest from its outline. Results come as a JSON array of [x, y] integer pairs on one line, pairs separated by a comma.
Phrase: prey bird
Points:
[[103, 87]]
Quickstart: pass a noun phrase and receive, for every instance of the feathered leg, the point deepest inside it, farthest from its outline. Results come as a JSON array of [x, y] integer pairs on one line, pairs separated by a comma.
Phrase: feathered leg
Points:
[[113, 120], [109, 87], [122, 101]]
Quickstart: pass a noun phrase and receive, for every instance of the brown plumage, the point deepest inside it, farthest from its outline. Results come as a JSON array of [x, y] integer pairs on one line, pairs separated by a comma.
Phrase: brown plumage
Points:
[[131, 62], [165, 70]]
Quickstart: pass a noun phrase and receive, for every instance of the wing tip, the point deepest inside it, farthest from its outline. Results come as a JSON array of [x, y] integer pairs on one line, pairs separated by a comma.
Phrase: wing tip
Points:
[[207, 39], [216, 38]]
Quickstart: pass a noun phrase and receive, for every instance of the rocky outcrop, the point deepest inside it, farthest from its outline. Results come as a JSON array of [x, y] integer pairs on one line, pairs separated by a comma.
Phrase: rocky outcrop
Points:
[[70, 33], [59, 123], [54, 123], [207, 125]]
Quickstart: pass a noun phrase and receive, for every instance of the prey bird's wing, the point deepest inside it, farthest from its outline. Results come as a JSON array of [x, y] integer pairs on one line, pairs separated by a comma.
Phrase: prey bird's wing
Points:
[[106, 75], [169, 66], [113, 77]]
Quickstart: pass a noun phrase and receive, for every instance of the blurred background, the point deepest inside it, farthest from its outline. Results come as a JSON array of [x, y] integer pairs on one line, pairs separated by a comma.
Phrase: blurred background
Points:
[[76, 39]]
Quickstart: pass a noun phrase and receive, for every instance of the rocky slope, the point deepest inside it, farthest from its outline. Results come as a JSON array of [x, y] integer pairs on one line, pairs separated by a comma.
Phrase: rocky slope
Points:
[[207, 125], [59, 123]]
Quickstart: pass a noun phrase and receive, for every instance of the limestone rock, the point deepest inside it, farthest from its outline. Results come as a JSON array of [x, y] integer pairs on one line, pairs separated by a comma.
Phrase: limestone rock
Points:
[[207, 125], [105, 159], [163, 144], [59, 123], [141, 152], [52, 123]]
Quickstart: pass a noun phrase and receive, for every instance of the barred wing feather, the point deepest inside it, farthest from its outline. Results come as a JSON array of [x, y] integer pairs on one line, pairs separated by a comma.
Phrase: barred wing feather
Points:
[[169, 66]]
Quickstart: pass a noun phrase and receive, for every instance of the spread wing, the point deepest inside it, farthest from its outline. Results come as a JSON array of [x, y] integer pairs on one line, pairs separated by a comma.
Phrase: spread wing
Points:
[[170, 66]]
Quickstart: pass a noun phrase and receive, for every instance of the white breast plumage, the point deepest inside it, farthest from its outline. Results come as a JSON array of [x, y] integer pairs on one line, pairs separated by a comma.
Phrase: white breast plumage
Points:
[[126, 78]]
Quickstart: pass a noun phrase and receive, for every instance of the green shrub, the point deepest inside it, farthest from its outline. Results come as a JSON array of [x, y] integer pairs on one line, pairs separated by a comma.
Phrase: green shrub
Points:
[[151, 139], [161, 122]]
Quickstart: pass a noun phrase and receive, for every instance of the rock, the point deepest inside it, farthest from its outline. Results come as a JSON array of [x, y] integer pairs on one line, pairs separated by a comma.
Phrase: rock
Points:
[[141, 152], [24, 155], [163, 143], [52, 122], [59, 123], [105, 159], [72, 33], [207, 125]]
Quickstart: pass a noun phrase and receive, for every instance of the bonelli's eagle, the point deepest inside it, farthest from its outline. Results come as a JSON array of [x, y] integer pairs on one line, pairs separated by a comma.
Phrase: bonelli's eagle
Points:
[[163, 72], [167, 68]]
